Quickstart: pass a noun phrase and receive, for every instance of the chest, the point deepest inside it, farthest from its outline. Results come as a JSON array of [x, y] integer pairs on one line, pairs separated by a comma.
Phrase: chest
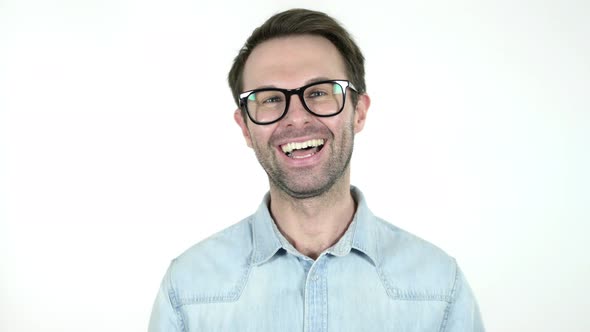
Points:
[[322, 298]]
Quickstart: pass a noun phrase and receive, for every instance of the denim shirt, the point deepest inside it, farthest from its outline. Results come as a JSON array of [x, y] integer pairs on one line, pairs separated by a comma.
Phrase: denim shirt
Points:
[[377, 277]]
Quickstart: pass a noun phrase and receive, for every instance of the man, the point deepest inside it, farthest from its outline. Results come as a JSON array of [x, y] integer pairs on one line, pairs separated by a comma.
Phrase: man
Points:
[[313, 257]]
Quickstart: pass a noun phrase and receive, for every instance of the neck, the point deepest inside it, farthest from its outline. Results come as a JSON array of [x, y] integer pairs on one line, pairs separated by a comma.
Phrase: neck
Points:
[[314, 224]]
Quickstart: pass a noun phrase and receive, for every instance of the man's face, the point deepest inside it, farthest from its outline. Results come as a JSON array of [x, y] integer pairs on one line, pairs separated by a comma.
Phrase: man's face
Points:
[[289, 63]]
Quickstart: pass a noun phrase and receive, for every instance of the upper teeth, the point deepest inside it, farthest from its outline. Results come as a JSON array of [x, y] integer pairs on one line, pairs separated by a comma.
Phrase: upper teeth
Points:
[[289, 147]]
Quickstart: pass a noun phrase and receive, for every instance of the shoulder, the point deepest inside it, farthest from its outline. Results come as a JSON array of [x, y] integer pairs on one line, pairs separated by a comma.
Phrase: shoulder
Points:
[[229, 241], [215, 268], [413, 267]]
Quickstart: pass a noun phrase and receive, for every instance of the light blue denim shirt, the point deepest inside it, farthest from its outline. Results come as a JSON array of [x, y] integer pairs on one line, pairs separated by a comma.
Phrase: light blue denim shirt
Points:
[[377, 277]]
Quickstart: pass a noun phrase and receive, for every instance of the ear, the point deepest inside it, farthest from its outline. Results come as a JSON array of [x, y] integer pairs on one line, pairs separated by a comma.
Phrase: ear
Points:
[[243, 125], [360, 114]]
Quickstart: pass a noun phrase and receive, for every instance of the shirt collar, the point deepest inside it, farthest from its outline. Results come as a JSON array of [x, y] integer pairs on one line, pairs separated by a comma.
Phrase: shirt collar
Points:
[[364, 238], [266, 243], [360, 234]]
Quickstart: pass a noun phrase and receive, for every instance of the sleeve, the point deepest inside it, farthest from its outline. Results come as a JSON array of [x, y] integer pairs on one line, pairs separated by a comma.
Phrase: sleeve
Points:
[[165, 316], [462, 313]]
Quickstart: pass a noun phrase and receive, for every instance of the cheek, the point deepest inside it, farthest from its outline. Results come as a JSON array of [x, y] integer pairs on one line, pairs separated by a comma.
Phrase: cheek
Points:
[[345, 125], [260, 137]]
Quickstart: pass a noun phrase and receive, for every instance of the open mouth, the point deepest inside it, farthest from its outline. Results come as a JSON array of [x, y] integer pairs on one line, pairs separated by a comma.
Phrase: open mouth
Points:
[[299, 150]]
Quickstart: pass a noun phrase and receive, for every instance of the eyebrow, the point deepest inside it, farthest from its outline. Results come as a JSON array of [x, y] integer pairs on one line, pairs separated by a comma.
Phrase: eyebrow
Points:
[[312, 80], [317, 79]]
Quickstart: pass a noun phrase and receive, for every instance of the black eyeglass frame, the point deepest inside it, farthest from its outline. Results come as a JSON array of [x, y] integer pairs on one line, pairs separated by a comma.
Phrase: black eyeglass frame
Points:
[[344, 84]]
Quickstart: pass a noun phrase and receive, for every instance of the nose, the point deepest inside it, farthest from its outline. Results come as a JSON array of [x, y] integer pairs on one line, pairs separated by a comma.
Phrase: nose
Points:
[[297, 115]]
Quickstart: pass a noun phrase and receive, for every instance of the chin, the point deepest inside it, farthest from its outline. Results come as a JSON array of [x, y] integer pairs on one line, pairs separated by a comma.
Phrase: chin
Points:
[[304, 191]]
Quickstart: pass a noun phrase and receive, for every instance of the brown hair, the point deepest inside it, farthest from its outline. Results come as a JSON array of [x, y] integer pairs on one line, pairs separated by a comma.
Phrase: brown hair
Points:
[[302, 22]]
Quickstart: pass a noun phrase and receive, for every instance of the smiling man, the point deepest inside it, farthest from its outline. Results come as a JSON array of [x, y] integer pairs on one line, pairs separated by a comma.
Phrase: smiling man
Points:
[[313, 257]]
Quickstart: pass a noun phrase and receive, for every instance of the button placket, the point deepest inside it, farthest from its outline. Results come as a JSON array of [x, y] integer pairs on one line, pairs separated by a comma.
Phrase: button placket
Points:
[[316, 301]]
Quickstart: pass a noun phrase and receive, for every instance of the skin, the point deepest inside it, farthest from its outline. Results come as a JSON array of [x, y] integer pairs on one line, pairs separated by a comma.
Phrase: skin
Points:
[[310, 198]]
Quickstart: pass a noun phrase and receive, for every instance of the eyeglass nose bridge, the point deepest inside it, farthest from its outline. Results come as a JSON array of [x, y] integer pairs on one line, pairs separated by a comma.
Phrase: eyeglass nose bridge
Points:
[[299, 92]]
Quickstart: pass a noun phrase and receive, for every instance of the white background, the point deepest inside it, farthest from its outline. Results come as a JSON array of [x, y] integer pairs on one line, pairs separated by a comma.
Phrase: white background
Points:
[[119, 150]]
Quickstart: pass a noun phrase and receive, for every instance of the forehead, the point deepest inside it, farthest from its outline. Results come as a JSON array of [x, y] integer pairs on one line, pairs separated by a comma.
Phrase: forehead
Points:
[[289, 62]]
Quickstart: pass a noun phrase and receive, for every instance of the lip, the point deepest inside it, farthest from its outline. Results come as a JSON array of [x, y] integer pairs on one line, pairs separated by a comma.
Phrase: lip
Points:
[[303, 162], [298, 140]]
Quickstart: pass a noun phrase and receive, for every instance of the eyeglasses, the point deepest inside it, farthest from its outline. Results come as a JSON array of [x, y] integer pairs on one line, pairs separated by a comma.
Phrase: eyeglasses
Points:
[[268, 105]]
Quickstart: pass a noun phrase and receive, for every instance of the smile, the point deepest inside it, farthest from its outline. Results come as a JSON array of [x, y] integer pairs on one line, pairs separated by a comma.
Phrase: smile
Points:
[[299, 150]]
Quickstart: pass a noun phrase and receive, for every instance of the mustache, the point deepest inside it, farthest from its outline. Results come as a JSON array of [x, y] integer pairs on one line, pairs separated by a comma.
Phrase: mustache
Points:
[[290, 133]]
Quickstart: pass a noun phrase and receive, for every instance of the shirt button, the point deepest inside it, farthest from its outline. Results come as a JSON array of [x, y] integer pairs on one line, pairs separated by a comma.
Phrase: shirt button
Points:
[[315, 277]]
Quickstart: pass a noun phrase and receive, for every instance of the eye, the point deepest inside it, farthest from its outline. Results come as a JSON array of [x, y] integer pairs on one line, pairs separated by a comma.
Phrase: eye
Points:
[[316, 93], [272, 99], [269, 97]]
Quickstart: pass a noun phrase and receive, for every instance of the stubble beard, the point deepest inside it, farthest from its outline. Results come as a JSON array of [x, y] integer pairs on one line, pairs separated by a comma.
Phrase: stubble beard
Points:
[[302, 184]]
